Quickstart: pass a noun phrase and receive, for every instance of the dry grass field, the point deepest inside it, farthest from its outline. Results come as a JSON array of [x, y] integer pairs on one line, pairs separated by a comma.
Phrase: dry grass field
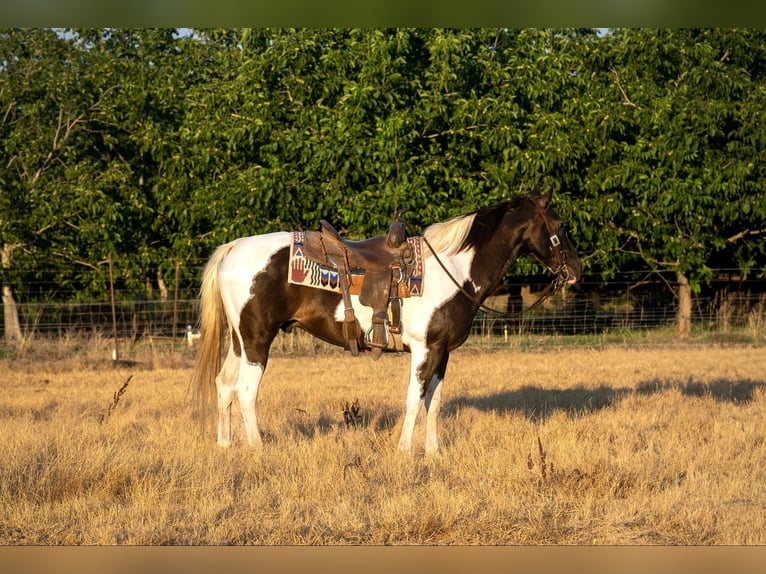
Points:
[[580, 445]]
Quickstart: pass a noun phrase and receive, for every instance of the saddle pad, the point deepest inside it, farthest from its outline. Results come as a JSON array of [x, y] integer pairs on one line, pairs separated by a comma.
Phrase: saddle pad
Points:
[[304, 271]]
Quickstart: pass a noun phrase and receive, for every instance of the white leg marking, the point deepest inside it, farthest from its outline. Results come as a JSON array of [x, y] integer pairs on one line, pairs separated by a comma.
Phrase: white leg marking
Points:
[[414, 402], [247, 392], [225, 383]]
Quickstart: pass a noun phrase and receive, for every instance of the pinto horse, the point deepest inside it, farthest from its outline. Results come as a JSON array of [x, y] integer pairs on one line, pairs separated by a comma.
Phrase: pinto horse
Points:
[[245, 286]]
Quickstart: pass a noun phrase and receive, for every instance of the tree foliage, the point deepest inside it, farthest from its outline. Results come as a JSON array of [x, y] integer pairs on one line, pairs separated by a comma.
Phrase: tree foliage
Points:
[[155, 145]]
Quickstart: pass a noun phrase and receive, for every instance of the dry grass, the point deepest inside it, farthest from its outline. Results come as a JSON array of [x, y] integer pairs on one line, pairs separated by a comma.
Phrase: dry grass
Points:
[[572, 446]]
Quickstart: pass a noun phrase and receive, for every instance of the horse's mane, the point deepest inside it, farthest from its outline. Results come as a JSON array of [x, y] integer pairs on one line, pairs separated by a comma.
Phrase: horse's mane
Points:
[[448, 236], [469, 230]]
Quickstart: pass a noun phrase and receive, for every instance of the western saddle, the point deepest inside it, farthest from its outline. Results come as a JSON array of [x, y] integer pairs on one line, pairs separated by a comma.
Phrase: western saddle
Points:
[[383, 265]]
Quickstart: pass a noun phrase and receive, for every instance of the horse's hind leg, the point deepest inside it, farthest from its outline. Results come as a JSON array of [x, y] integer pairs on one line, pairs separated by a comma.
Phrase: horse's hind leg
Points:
[[247, 392], [225, 385], [241, 372], [256, 342]]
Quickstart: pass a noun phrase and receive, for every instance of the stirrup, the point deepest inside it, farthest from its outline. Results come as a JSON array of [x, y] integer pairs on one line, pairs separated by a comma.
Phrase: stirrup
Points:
[[377, 337], [377, 328]]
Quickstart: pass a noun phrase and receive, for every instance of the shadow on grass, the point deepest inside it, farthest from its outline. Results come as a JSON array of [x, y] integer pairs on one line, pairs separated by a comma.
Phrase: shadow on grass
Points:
[[538, 403], [309, 426], [535, 402], [722, 390]]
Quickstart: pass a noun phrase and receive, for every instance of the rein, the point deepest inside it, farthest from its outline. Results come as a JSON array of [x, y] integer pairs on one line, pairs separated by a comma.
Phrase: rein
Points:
[[562, 275]]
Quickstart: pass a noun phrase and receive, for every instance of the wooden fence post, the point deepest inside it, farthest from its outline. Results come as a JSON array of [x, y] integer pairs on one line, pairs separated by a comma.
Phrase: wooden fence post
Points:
[[115, 351], [175, 304]]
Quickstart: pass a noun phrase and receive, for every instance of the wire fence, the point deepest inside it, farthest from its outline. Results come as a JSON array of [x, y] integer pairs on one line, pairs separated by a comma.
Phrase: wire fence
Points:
[[629, 307], [588, 308], [732, 312]]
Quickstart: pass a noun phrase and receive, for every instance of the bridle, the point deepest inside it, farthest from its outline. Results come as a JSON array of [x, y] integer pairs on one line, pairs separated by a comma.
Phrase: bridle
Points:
[[563, 275]]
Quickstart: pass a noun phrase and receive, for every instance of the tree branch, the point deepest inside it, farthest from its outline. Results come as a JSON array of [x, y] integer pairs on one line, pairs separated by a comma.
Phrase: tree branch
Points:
[[7, 112], [67, 125], [742, 234], [453, 131], [626, 101], [76, 261]]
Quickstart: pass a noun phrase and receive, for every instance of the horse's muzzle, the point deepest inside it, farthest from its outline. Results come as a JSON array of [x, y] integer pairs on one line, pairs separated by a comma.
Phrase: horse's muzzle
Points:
[[569, 277], [564, 274]]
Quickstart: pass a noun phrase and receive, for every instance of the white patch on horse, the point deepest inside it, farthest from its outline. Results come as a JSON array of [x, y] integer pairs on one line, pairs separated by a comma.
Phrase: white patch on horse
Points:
[[248, 257], [438, 289], [414, 400], [363, 313]]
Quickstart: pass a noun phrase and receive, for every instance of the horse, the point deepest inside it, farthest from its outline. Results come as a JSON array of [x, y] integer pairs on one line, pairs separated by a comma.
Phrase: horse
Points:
[[244, 286]]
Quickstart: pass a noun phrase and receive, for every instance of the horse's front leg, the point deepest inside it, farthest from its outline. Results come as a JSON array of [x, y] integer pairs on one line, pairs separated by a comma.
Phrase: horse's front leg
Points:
[[433, 402], [414, 399], [426, 374]]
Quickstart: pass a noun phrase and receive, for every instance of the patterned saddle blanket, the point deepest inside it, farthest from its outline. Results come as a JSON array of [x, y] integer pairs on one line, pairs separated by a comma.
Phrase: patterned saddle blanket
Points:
[[303, 270]]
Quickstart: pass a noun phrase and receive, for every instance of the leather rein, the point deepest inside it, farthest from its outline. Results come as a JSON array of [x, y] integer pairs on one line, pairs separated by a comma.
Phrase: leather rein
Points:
[[562, 273]]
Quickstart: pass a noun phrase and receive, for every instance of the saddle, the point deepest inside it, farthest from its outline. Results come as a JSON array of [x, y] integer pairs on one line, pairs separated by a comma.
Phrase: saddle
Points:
[[385, 262]]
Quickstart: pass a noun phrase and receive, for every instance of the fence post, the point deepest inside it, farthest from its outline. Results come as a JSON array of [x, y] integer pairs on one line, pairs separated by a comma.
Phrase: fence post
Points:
[[115, 351], [175, 305], [10, 309]]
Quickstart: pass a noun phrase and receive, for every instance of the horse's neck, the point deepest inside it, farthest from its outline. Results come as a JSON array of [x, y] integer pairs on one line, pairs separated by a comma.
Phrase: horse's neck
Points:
[[494, 259]]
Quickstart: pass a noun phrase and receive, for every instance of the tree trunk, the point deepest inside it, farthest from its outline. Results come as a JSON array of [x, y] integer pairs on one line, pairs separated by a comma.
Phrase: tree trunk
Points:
[[684, 318], [10, 311]]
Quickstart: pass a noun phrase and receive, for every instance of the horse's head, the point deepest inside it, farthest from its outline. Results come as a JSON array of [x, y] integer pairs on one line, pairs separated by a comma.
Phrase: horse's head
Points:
[[548, 242]]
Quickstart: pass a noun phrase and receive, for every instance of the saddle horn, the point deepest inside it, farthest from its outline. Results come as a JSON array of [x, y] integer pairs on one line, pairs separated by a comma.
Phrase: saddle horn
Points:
[[397, 231]]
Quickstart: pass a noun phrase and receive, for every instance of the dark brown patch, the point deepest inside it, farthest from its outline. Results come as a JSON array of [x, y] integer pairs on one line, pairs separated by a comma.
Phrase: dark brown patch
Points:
[[276, 304]]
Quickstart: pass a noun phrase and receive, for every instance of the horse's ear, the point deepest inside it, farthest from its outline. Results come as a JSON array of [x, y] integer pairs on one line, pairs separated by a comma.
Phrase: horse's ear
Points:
[[543, 200], [547, 197]]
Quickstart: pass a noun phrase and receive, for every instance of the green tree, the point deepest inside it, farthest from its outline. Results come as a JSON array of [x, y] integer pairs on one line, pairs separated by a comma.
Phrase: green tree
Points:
[[85, 133], [674, 179], [42, 136], [144, 76], [155, 148]]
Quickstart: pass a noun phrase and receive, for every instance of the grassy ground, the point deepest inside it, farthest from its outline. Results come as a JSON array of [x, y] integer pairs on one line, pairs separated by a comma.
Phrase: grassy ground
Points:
[[564, 445]]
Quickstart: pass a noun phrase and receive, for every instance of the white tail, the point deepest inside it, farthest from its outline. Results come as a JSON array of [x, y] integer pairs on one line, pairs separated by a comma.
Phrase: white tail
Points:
[[212, 322]]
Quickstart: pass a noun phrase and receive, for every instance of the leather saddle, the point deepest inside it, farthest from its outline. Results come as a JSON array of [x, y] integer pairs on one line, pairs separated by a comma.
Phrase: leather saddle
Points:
[[385, 261]]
